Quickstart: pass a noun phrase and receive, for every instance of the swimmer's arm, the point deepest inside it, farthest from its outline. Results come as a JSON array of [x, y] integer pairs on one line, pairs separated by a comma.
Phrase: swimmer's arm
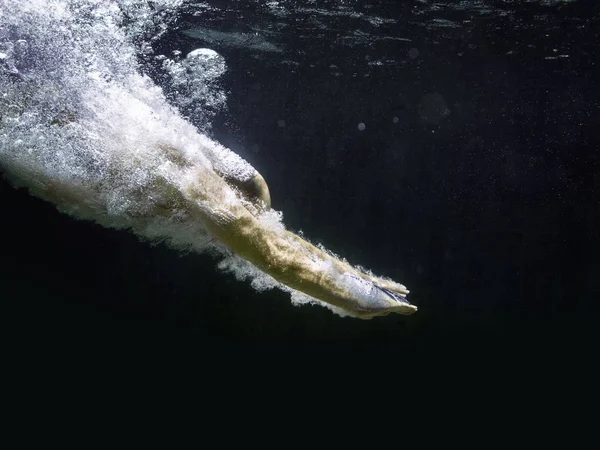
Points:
[[300, 265]]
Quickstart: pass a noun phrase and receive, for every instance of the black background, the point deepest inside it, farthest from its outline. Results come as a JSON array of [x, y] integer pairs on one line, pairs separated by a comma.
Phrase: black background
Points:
[[489, 214]]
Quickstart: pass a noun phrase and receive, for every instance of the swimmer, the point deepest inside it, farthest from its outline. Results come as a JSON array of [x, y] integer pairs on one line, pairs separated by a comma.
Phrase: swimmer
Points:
[[82, 128]]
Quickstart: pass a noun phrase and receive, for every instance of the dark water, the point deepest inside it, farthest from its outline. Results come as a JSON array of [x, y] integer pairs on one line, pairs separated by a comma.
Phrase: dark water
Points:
[[474, 182]]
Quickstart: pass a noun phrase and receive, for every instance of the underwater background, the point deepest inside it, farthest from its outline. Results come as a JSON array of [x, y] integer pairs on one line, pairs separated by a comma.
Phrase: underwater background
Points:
[[452, 146]]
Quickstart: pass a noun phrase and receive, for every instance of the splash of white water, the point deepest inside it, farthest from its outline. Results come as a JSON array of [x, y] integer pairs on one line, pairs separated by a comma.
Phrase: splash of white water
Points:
[[82, 127]]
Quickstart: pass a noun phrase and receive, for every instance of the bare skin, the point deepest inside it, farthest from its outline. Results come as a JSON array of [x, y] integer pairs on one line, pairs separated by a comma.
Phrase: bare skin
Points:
[[287, 257]]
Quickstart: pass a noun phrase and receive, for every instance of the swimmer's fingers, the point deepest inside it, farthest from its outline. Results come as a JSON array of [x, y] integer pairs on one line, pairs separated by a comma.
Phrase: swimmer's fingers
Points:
[[373, 297], [400, 308], [395, 294], [391, 285]]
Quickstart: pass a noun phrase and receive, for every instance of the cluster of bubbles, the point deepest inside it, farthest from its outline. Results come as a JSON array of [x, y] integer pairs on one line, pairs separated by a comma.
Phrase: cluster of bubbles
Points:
[[81, 126], [195, 84]]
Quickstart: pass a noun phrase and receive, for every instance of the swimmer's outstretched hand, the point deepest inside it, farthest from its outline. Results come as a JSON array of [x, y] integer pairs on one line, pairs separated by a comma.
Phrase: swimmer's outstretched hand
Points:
[[370, 296], [290, 259]]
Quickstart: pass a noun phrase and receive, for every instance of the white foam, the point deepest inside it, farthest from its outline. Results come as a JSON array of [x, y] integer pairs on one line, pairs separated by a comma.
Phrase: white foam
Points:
[[82, 127]]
